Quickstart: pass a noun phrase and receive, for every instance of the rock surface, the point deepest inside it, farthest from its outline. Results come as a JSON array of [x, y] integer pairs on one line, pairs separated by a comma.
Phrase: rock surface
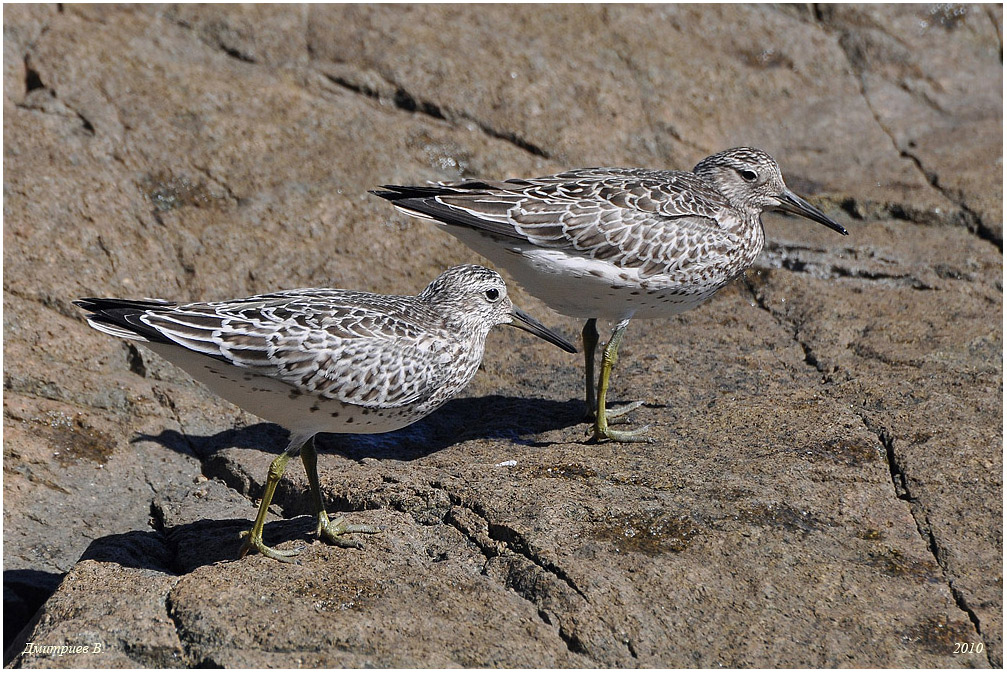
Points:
[[826, 484]]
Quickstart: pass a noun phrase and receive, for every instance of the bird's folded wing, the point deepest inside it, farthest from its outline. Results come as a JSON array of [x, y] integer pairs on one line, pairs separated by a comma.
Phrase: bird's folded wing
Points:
[[636, 218], [354, 355], [628, 236]]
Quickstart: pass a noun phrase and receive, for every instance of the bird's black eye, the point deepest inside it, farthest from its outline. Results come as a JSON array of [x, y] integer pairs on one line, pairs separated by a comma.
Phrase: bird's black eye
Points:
[[748, 175], [492, 294]]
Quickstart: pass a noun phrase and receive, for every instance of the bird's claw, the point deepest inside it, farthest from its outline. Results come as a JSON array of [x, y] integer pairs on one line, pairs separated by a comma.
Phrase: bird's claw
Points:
[[255, 542], [333, 531]]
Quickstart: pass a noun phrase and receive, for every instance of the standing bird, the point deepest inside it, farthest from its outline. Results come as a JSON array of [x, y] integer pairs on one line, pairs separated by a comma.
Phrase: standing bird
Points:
[[322, 360], [617, 243]]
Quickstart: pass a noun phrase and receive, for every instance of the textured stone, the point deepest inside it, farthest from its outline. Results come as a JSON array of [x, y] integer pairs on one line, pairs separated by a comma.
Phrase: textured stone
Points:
[[826, 484]]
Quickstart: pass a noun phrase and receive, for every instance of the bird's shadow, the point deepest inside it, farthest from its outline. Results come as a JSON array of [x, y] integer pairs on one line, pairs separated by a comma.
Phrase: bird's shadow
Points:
[[182, 548], [516, 419]]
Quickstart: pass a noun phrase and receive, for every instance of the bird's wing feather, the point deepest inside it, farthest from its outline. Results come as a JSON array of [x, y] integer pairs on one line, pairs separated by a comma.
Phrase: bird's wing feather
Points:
[[323, 342], [636, 218]]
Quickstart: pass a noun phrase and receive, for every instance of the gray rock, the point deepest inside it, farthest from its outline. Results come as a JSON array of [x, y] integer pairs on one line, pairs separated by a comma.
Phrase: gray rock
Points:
[[826, 485]]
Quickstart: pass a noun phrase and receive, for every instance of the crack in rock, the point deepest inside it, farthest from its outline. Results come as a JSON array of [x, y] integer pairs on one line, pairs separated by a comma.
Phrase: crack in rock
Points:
[[42, 98], [183, 645], [497, 537], [32, 80], [900, 484], [157, 521], [216, 35], [402, 99], [968, 217], [793, 329], [899, 477], [813, 263], [512, 540], [134, 360]]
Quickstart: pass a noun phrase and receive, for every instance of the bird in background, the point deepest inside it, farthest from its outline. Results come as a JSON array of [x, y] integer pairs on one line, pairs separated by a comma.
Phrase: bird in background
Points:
[[616, 243], [327, 360]]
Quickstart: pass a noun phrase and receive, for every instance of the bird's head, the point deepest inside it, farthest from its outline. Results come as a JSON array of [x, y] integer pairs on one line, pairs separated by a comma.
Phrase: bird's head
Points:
[[751, 181]]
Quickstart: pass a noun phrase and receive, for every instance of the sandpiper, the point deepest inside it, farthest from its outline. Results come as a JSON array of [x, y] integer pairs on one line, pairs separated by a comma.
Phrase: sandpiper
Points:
[[326, 360], [617, 243]]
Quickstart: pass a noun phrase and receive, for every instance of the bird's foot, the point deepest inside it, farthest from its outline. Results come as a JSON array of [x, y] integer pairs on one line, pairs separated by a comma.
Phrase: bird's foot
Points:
[[614, 412], [333, 530], [602, 431], [622, 409], [254, 541]]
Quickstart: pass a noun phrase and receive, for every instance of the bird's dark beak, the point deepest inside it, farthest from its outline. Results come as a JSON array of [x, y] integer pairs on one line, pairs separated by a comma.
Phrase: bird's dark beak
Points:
[[792, 203], [529, 324]]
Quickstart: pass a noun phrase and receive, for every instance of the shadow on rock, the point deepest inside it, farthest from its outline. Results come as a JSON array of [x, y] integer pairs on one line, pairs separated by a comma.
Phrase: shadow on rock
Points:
[[24, 592], [183, 548], [267, 437], [179, 549], [512, 419]]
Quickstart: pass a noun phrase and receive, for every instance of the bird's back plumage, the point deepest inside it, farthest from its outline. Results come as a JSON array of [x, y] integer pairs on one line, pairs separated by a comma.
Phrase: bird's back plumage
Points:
[[598, 242], [627, 216], [316, 341]]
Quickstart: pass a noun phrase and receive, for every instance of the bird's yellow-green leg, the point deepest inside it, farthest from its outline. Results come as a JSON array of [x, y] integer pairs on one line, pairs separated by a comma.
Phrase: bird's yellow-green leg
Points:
[[590, 337], [253, 537], [609, 356], [331, 530]]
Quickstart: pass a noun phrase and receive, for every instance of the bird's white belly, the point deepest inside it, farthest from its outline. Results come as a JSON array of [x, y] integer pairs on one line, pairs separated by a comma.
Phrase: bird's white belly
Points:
[[587, 288], [279, 403]]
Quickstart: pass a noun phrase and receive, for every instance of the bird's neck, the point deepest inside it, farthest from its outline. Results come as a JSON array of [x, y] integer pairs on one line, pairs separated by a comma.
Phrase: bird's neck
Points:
[[464, 363]]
